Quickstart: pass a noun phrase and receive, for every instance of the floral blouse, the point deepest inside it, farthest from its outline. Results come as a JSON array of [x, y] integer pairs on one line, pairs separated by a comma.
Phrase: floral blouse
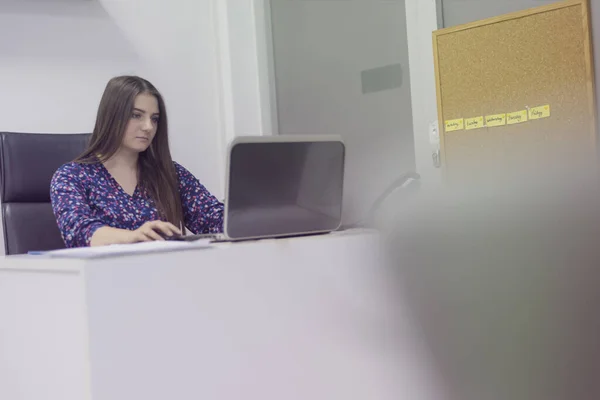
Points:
[[86, 197]]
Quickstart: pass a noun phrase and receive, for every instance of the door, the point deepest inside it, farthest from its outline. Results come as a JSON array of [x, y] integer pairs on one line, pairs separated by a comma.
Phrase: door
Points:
[[341, 67]]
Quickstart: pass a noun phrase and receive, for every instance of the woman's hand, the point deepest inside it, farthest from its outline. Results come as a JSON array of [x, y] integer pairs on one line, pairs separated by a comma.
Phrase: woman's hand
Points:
[[149, 231], [153, 230]]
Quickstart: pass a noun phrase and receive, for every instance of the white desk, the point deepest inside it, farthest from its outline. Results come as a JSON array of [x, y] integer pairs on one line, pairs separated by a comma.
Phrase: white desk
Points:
[[304, 318]]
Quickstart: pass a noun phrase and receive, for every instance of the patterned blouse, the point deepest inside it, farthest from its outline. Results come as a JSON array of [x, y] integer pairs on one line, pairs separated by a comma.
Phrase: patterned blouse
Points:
[[86, 197]]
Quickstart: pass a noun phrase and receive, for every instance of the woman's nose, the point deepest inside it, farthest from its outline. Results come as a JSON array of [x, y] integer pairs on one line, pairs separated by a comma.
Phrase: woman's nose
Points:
[[147, 125]]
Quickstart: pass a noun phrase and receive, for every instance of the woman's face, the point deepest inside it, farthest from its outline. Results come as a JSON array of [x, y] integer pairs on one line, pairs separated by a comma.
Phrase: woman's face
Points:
[[143, 123]]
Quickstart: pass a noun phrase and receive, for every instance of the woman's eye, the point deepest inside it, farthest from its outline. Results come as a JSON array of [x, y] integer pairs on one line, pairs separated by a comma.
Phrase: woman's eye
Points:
[[155, 120], [136, 116]]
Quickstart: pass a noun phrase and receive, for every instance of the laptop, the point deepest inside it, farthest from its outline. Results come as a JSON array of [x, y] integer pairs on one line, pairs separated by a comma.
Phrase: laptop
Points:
[[281, 186]]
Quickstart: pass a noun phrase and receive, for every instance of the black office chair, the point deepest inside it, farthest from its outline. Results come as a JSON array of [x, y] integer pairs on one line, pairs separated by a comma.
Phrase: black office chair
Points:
[[27, 163]]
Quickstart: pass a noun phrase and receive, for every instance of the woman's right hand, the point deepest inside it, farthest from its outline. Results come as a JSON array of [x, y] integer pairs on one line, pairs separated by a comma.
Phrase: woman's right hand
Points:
[[153, 230], [149, 231]]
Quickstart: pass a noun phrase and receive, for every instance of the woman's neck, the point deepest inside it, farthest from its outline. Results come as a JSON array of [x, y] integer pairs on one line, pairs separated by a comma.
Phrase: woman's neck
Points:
[[123, 160]]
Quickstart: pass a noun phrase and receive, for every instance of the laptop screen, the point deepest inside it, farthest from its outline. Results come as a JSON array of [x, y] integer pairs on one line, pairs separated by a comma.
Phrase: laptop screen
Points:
[[284, 188]]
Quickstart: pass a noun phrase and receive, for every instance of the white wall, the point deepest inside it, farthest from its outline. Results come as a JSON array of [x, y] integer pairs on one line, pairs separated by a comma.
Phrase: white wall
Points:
[[55, 58], [457, 12]]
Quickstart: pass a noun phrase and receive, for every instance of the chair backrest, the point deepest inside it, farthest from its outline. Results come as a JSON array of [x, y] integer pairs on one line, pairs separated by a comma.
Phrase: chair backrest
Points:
[[27, 163]]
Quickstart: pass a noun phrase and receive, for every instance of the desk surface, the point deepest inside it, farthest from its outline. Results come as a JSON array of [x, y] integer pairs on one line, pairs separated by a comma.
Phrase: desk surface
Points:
[[302, 318], [41, 263]]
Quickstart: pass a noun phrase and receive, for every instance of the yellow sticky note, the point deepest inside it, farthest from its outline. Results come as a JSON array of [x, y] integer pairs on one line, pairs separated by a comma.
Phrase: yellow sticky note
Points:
[[455, 125], [516, 117], [495, 120], [474, 123], [539, 112]]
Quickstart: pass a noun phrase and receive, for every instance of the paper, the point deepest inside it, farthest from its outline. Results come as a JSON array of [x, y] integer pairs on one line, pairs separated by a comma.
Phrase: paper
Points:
[[539, 112], [455, 125], [474, 123], [126, 249], [495, 120], [516, 117]]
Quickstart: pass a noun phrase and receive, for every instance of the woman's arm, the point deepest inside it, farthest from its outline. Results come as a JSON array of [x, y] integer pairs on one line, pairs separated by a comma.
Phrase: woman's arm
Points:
[[106, 235], [202, 212], [73, 214], [151, 230], [76, 222]]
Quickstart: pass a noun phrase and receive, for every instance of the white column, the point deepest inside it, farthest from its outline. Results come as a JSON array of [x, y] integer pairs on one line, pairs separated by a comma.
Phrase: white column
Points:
[[422, 20], [242, 33]]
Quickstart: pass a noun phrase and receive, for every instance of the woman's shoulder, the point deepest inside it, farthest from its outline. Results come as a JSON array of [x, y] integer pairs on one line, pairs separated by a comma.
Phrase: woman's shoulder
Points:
[[76, 171], [182, 172], [185, 177]]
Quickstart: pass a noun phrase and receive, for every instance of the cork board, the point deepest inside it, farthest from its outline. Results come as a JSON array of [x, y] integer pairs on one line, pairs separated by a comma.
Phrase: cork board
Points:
[[540, 57]]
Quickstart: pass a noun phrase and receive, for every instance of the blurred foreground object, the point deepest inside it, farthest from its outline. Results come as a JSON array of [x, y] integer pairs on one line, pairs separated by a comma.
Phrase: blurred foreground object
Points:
[[504, 286]]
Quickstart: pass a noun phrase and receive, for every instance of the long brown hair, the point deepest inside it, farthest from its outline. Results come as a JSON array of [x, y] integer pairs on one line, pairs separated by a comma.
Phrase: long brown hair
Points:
[[156, 171]]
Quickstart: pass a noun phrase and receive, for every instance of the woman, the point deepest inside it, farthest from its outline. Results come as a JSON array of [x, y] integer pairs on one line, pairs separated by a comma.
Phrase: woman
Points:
[[125, 188]]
